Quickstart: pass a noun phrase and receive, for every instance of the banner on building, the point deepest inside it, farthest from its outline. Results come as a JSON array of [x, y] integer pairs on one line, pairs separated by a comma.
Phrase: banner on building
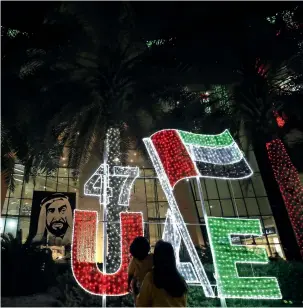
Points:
[[52, 217]]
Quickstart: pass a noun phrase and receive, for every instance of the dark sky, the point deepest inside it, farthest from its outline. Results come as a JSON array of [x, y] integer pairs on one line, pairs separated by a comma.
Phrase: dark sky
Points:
[[201, 16], [153, 16]]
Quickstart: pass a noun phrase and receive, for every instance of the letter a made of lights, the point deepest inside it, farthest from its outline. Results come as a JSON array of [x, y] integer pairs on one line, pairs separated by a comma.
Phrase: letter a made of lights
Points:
[[177, 155]]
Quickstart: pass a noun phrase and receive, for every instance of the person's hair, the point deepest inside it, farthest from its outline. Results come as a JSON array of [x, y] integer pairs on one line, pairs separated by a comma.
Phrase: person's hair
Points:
[[139, 248], [165, 272]]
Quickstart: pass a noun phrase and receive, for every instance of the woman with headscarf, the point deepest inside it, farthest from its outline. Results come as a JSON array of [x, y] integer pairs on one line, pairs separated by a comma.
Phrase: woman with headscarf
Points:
[[163, 286]]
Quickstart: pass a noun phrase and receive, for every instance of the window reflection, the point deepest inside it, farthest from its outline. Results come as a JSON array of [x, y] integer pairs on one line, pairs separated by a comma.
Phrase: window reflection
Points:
[[11, 225], [13, 206], [150, 189], [26, 207], [24, 226], [223, 189], [227, 208], [51, 184]]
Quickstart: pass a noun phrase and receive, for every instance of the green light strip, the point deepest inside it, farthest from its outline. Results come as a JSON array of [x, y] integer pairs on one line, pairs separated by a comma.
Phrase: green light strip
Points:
[[221, 140]]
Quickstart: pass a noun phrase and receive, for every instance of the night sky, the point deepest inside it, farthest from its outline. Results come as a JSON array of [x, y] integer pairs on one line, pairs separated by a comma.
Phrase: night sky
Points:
[[209, 35]]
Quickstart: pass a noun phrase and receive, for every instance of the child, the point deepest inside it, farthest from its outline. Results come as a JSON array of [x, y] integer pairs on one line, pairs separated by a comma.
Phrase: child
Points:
[[140, 265]]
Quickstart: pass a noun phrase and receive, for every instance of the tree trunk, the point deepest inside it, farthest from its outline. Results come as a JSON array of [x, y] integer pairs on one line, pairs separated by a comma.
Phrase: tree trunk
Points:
[[286, 233]]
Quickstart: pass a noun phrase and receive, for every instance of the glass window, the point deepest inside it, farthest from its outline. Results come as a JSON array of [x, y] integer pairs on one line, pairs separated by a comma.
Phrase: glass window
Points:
[[258, 185], [211, 188], [269, 224], [202, 185], [24, 226], [223, 189], [163, 207], [73, 183], [149, 172], [277, 249], [18, 169], [40, 183], [63, 181], [41, 172], [264, 206], [2, 223], [11, 225], [199, 208], [252, 161], [151, 210], [63, 172], [62, 187], [252, 206], [138, 193], [247, 188], [18, 176], [18, 188], [62, 184], [215, 208], [28, 188], [70, 172], [161, 195], [235, 189], [5, 205], [193, 185], [240, 208], [227, 207], [53, 173], [26, 207], [51, 184], [72, 189], [154, 235], [150, 189], [13, 206]]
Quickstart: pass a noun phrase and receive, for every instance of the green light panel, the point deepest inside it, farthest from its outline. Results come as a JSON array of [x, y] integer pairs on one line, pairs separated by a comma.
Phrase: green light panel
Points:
[[226, 256]]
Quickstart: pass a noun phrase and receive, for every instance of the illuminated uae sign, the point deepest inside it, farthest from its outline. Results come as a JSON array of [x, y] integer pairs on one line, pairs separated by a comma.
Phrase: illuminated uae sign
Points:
[[175, 155]]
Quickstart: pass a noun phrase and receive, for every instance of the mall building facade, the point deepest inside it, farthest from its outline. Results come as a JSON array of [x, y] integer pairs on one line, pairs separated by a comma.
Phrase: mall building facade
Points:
[[223, 198]]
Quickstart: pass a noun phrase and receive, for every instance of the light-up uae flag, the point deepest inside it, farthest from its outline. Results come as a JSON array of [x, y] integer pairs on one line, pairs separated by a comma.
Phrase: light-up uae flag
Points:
[[185, 154], [177, 155]]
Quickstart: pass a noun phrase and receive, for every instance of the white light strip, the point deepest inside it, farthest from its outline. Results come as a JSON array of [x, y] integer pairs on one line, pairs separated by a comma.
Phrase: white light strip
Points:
[[130, 174], [217, 156], [171, 235], [178, 218]]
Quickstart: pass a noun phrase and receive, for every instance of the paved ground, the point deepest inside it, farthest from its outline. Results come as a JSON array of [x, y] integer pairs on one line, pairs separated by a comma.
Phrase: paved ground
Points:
[[36, 300]]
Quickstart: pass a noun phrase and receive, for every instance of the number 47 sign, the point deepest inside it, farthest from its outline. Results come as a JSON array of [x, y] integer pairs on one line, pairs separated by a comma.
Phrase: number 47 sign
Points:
[[176, 155]]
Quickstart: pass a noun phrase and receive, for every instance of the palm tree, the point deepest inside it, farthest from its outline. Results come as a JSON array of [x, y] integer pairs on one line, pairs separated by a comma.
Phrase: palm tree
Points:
[[126, 86], [126, 83], [36, 69], [259, 102]]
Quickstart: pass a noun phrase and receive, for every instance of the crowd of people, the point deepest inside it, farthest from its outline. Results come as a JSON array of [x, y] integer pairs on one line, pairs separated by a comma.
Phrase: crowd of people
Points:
[[153, 278]]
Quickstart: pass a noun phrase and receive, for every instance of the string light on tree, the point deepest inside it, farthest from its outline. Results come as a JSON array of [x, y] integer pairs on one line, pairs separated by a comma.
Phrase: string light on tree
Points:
[[290, 186]]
